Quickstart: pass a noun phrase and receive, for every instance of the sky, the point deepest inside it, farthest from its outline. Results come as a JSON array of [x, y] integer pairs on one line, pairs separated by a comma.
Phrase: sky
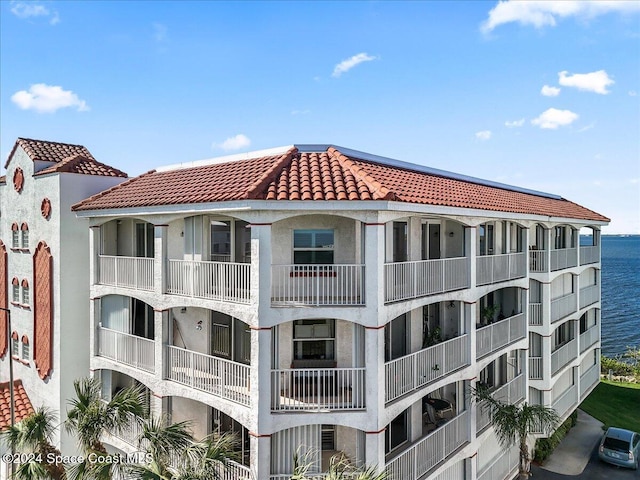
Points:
[[539, 94]]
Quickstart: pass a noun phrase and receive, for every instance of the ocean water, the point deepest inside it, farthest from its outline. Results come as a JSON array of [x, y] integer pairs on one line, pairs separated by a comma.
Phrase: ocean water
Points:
[[620, 293]]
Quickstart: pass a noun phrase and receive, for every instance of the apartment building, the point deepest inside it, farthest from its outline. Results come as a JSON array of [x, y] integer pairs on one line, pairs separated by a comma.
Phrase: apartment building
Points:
[[44, 275], [319, 300]]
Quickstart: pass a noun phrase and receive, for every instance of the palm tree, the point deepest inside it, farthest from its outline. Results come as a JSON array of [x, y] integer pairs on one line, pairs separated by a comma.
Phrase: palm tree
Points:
[[514, 423], [34, 434], [339, 469], [90, 418]]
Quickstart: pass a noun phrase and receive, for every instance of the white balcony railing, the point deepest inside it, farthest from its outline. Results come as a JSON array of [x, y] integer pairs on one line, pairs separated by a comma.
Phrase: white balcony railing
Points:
[[408, 373], [564, 258], [589, 337], [589, 295], [563, 306], [564, 355], [498, 335], [499, 268], [131, 350], [317, 285], [414, 462], [535, 368], [535, 314], [565, 401], [218, 376], [503, 465], [224, 281], [312, 389], [538, 260], [510, 393], [588, 379], [127, 272], [589, 254], [235, 471], [406, 280]]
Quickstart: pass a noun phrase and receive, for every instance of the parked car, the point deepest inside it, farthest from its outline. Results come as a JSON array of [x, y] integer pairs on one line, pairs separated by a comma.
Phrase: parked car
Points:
[[620, 447]]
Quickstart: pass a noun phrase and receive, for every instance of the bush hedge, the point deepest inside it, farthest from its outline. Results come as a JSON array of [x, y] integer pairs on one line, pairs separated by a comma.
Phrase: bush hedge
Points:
[[545, 446]]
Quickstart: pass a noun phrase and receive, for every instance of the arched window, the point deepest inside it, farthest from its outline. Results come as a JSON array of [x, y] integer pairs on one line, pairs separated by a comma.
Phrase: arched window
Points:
[[25, 292], [25, 235], [25, 348], [15, 236], [14, 344], [15, 295]]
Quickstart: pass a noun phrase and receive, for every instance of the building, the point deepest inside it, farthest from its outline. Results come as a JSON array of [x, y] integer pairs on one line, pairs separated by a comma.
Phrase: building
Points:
[[44, 257], [320, 300]]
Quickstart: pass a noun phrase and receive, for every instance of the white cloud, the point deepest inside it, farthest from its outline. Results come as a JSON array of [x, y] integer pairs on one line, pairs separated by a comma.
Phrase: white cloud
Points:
[[546, 13], [483, 135], [26, 10], [514, 123], [591, 82], [633, 93], [234, 143], [159, 32], [554, 118], [548, 91], [47, 99], [346, 65], [587, 127]]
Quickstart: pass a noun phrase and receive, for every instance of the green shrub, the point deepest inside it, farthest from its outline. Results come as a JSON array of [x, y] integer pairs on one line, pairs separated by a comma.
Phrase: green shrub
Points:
[[616, 366], [545, 446]]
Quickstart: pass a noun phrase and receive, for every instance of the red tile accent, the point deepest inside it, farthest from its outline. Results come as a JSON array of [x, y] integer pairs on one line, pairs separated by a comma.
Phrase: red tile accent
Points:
[[4, 299], [15, 227], [25, 283], [45, 208], [43, 310], [22, 404], [24, 226], [86, 166], [18, 179]]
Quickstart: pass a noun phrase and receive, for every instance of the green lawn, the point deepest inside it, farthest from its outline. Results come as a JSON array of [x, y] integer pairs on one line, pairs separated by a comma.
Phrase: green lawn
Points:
[[615, 404]]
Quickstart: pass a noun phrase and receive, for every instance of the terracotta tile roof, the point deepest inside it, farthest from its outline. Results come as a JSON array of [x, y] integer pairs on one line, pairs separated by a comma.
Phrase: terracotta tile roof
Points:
[[3, 179], [23, 407], [67, 157], [86, 166], [327, 174]]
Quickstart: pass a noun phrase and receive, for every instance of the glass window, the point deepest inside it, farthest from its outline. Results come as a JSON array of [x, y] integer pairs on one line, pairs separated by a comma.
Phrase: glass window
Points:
[[25, 295], [313, 247], [25, 349], [15, 291], [14, 346], [25, 236], [314, 340], [396, 433], [15, 236]]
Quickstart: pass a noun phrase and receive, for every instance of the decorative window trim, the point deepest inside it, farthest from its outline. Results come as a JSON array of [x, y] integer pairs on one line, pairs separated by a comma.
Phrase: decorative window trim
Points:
[[45, 208], [15, 291], [26, 297], [26, 350], [24, 241], [18, 180], [15, 346], [15, 236]]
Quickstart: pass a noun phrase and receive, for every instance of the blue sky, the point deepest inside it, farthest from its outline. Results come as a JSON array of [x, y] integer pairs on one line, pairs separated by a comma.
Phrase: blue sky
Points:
[[544, 95]]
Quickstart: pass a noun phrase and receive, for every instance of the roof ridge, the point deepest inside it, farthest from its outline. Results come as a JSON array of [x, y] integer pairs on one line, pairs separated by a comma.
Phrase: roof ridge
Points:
[[76, 206], [379, 191], [257, 188], [66, 164]]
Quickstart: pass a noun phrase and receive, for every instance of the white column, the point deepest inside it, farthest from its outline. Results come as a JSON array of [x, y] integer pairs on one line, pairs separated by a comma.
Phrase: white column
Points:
[[161, 338], [94, 251], [470, 252], [95, 316], [374, 448], [261, 267], [548, 243], [160, 259], [260, 460]]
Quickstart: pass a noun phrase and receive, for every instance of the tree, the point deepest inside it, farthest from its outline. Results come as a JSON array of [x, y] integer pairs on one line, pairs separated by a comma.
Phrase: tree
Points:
[[90, 418], [34, 434], [514, 423], [339, 469]]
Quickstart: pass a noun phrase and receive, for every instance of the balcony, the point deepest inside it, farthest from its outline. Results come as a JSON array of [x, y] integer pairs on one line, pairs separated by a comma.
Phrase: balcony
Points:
[[589, 338], [503, 464], [217, 376], [222, 281], [538, 261], [511, 393], [566, 401], [589, 378], [126, 272], [414, 371], [563, 306], [407, 280], [314, 389], [535, 368], [428, 452], [500, 268], [589, 295], [317, 285], [563, 356], [498, 335], [131, 350], [589, 254], [564, 258], [535, 314]]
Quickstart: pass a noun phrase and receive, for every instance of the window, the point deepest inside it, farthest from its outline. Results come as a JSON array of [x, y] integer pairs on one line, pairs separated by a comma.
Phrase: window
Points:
[[396, 433], [314, 339], [25, 235], [25, 348], [14, 344], [15, 236], [15, 298], [313, 247], [25, 292]]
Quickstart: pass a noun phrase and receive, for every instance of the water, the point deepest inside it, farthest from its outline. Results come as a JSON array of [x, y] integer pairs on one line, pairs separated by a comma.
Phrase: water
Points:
[[620, 293]]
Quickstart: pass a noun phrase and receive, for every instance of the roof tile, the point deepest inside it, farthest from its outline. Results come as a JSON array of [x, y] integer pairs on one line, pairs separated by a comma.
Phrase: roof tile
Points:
[[22, 404]]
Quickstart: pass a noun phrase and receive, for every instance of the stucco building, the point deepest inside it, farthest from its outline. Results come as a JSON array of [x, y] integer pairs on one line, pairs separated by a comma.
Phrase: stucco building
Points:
[[44, 273], [327, 301]]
